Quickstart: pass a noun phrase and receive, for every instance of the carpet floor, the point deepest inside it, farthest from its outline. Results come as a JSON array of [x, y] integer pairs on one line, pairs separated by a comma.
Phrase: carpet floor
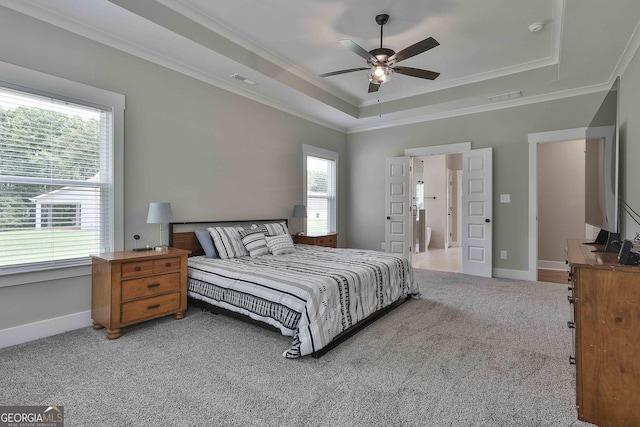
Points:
[[469, 352]]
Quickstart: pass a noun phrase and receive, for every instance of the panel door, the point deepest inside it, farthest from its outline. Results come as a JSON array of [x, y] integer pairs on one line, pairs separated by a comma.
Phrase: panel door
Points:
[[398, 221], [477, 201]]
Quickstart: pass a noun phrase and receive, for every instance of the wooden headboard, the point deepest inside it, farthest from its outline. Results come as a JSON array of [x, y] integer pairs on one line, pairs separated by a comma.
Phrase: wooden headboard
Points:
[[182, 234]]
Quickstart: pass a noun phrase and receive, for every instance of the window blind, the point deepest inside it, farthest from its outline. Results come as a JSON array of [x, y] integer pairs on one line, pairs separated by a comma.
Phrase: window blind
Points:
[[56, 181], [321, 195]]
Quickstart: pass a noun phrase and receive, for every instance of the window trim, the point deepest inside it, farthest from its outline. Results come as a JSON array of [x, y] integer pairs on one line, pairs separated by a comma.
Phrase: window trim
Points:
[[311, 150], [36, 81]]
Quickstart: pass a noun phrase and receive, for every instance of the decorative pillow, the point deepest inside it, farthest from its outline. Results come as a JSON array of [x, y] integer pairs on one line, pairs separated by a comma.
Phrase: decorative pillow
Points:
[[228, 242], [207, 244], [255, 242], [280, 245], [275, 228]]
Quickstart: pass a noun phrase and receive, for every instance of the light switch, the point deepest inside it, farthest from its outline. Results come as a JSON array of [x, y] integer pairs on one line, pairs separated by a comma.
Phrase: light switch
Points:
[[505, 198]]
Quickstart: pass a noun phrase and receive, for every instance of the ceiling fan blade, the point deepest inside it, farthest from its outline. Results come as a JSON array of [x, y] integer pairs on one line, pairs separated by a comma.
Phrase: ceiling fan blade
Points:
[[359, 50], [373, 87], [414, 50], [350, 70], [416, 72]]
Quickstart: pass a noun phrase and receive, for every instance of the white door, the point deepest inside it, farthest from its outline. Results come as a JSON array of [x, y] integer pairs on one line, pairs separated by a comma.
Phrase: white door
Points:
[[476, 212], [398, 219]]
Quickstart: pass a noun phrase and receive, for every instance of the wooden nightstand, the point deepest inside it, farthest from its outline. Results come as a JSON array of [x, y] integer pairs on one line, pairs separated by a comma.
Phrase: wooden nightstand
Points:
[[329, 240], [132, 287]]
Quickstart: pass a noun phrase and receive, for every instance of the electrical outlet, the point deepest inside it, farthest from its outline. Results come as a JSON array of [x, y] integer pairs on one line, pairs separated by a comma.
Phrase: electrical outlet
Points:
[[503, 254]]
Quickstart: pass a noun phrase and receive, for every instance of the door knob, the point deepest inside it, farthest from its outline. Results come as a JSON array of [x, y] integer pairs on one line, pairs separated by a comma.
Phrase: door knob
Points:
[[487, 220], [388, 217]]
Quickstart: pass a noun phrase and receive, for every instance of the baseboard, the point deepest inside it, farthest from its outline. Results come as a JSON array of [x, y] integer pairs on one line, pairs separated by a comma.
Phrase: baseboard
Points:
[[44, 328], [504, 273], [552, 265]]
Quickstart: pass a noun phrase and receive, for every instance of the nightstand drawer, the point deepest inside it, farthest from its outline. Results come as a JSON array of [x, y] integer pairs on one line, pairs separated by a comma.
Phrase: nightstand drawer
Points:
[[166, 265], [150, 307], [149, 286], [328, 241], [140, 268]]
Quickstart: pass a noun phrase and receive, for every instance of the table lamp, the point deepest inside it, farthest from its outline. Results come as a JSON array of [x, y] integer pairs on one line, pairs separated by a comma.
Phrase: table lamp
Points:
[[160, 213]]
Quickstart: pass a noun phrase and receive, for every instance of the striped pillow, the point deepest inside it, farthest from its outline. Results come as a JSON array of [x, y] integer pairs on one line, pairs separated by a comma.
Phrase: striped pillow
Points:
[[280, 245], [228, 242], [254, 241], [275, 228]]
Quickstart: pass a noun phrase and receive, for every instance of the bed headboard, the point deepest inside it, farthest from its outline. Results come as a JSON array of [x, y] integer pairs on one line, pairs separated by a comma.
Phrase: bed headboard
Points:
[[182, 234]]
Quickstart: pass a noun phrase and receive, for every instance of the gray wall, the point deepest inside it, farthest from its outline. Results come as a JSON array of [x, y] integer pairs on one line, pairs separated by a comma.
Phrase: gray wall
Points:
[[505, 130], [212, 154]]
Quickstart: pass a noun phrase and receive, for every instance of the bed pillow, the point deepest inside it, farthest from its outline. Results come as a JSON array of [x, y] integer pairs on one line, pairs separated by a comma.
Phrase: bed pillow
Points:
[[275, 228], [254, 241], [280, 245], [204, 237], [228, 242]]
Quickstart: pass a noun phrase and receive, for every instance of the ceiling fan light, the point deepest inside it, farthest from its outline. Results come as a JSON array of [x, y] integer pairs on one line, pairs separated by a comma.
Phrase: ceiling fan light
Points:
[[380, 74]]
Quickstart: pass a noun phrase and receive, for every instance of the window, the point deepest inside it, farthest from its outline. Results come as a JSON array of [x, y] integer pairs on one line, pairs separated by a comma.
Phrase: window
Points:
[[321, 176], [57, 192]]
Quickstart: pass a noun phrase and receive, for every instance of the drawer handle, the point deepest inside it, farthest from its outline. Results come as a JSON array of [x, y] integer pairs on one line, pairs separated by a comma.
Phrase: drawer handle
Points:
[[570, 298], [572, 360], [168, 264], [153, 285], [138, 268], [151, 307], [571, 325]]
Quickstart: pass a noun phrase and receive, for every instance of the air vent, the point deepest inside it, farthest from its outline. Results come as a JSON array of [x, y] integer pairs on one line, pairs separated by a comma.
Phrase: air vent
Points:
[[244, 79], [505, 96]]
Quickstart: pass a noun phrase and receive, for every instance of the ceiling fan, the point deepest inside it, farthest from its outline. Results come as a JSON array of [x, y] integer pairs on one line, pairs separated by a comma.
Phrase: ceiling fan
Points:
[[382, 60]]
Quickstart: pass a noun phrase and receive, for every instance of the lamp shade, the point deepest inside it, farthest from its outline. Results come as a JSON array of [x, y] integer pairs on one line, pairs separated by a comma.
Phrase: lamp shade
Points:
[[159, 213], [299, 211]]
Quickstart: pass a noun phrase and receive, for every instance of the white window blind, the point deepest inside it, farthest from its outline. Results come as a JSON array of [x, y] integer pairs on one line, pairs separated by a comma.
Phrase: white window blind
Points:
[[56, 181], [321, 194]]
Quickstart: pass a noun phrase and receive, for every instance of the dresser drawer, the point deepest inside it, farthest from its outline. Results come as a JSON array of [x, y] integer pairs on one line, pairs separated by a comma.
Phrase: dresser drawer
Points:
[[166, 265], [149, 286], [150, 307], [139, 268]]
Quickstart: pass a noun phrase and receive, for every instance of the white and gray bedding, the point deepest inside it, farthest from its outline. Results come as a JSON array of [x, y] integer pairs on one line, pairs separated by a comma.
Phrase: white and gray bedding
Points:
[[312, 294]]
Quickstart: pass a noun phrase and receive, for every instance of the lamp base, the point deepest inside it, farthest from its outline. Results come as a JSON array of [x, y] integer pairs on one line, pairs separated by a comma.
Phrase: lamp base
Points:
[[161, 248]]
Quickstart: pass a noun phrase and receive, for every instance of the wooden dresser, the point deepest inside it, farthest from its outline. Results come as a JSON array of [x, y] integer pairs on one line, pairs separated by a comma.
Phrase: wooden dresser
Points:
[[132, 287], [329, 240], [606, 310]]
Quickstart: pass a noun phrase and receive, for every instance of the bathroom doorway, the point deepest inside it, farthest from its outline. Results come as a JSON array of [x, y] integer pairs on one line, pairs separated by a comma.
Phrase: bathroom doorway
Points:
[[437, 223]]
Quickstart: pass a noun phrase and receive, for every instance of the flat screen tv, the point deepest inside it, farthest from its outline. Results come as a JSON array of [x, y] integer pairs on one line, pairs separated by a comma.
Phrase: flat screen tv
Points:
[[601, 165]]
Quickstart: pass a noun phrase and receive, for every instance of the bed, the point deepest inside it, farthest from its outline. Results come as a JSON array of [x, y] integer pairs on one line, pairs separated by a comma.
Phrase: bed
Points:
[[318, 296]]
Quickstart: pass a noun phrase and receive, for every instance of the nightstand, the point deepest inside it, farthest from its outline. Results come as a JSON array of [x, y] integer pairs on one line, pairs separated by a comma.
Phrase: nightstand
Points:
[[132, 287], [329, 240]]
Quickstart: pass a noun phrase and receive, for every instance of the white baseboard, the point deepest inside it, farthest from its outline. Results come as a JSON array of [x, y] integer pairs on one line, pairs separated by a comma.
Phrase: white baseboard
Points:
[[44, 328], [504, 273]]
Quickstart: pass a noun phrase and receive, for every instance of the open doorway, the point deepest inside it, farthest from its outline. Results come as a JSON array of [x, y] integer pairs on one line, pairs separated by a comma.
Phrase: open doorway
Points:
[[437, 223], [556, 198]]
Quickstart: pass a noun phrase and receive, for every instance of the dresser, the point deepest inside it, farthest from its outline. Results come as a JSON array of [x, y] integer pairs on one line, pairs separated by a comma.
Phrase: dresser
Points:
[[329, 240], [132, 287], [606, 323]]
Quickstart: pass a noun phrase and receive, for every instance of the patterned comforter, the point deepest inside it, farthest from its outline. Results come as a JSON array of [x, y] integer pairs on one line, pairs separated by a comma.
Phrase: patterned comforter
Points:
[[312, 295]]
